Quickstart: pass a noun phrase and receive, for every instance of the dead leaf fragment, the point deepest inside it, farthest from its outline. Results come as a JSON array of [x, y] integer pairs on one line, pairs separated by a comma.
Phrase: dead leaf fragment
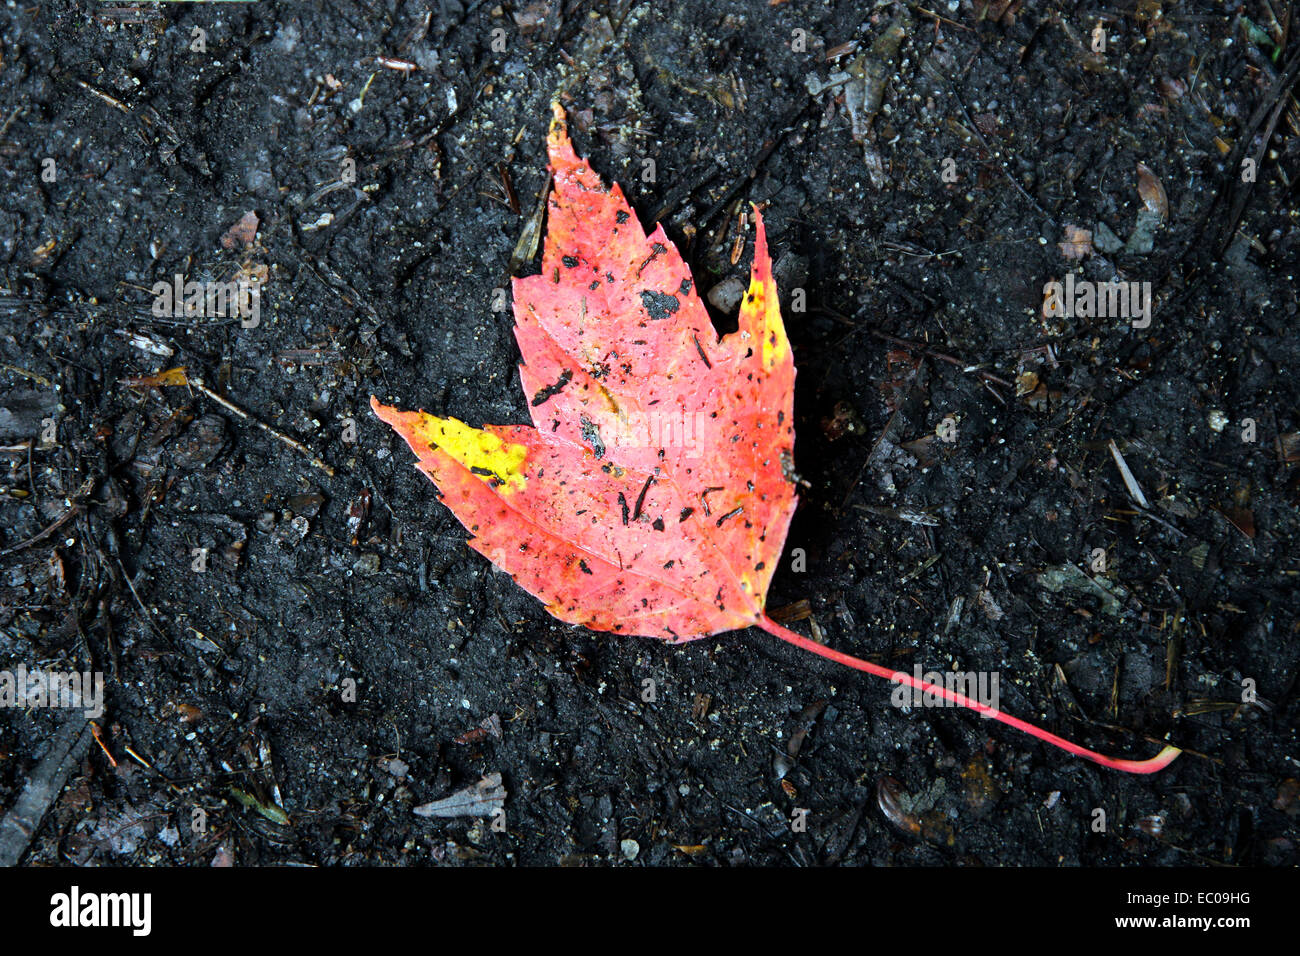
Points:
[[1152, 192], [243, 232], [173, 376], [1077, 243], [483, 799], [1288, 797], [981, 790], [1069, 576], [890, 799], [844, 421], [989, 605], [1243, 519]]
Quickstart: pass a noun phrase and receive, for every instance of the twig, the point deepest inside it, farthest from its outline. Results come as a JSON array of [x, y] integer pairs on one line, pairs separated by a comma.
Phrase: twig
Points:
[[179, 376], [783, 130], [1002, 166], [236, 410], [1263, 122], [57, 523], [1134, 489], [104, 96], [148, 618], [964, 366], [10, 121], [67, 748]]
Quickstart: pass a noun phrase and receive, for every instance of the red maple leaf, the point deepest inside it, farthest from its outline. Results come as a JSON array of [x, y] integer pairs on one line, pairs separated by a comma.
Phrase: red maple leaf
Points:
[[653, 491]]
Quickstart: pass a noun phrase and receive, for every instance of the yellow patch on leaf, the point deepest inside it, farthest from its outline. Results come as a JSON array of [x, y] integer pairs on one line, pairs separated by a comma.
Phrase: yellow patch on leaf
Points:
[[482, 452]]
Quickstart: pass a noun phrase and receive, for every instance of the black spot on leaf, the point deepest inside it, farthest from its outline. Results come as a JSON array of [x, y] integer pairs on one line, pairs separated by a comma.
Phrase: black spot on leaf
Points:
[[659, 305]]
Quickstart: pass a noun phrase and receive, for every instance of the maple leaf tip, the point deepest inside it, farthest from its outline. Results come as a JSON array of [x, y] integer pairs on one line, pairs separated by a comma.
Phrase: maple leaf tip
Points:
[[558, 145], [404, 423], [391, 415], [760, 313]]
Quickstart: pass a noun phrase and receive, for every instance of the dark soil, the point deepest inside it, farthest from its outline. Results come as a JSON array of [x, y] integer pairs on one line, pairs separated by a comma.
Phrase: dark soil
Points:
[[229, 688]]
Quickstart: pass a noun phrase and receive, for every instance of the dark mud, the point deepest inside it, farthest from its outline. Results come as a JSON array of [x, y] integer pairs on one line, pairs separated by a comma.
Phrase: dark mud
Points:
[[340, 656]]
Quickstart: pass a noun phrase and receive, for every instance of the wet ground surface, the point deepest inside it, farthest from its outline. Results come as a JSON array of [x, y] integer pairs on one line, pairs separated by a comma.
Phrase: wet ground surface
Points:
[[307, 657]]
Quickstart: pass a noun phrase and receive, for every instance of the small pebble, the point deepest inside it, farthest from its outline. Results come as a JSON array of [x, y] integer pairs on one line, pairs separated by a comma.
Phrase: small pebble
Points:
[[726, 295]]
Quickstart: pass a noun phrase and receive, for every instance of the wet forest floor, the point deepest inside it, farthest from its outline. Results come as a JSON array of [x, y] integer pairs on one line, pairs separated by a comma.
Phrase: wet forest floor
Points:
[[297, 653]]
